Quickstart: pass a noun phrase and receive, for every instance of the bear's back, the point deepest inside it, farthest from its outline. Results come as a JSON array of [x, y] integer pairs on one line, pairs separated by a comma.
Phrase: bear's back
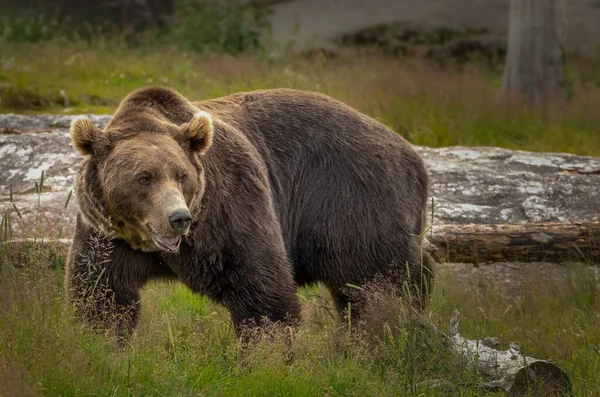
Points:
[[337, 178]]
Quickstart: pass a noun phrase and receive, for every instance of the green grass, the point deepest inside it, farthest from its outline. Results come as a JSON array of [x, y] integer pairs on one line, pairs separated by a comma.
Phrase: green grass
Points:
[[430, 105], [185, 345]]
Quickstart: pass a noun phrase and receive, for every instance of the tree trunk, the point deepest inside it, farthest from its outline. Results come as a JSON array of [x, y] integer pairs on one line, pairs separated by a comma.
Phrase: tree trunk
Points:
[[534, 70], [473, 243], [530, 242]]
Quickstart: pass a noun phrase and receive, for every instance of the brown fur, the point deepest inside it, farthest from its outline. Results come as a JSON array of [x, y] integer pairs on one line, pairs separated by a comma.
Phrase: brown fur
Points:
[[296, 188]]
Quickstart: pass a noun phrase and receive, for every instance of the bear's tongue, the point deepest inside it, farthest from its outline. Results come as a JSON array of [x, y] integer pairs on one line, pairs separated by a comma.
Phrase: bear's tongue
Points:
[[171, 243]]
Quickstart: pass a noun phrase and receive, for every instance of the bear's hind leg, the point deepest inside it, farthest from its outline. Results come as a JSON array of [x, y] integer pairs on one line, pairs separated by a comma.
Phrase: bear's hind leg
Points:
[[345, 303], [391, 291]]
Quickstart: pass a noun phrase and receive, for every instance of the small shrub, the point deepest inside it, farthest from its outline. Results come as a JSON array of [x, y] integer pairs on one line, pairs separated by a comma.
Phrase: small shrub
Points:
[[195, 26], [29, 27], [35, 25], [218, 26]]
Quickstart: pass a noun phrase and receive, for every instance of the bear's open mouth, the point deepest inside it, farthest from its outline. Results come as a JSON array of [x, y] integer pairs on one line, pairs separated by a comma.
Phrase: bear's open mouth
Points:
[[167, 243], [170, 243]]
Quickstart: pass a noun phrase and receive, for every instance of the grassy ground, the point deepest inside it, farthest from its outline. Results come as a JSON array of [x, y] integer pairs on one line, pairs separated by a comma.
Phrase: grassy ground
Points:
[[430, 105], [185, 345]]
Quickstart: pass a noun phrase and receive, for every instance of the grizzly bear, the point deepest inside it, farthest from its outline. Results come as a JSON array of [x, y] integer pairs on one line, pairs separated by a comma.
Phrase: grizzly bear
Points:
[[243, 199]]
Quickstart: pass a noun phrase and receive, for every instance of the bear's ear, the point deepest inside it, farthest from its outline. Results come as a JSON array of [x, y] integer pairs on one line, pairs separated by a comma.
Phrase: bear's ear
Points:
[[87, 139], [198, 132]]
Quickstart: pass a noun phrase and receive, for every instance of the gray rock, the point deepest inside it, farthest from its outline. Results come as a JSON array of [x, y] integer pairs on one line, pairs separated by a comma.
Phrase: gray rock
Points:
[[50, 215], [492, 185], [24, 156], [468, 184], [43, 122], [306, 24]]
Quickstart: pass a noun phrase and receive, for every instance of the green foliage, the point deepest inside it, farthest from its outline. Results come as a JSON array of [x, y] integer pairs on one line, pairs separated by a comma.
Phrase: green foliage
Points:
[[29, 27], [197, 25], [32, 25], [216, 26]]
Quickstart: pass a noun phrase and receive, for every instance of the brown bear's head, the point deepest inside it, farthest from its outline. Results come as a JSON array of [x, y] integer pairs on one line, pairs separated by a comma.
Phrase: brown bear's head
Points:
[[142, 177]]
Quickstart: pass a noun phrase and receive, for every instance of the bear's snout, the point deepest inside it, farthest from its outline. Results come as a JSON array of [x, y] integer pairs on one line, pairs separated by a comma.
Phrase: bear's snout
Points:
[[180, 221]]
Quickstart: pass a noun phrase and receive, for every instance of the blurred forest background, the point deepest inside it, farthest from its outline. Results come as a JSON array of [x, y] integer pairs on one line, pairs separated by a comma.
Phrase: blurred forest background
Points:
[[432, 72]]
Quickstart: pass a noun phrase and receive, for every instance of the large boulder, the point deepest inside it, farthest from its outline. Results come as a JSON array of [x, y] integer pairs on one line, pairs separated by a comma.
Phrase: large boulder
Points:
[[479, 185]]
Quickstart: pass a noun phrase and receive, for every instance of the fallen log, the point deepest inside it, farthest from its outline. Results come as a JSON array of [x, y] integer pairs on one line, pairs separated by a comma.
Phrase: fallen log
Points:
[[528, 242], [474, 243], [508, 370]]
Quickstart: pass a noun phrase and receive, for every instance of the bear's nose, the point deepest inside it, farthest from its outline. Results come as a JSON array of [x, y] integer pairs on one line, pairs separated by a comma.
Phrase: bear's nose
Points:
[[180, 221]]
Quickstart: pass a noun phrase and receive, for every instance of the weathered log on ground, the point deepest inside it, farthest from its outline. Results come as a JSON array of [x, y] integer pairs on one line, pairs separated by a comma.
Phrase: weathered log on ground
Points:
[[554, 243], [532, 242], [508, 370]]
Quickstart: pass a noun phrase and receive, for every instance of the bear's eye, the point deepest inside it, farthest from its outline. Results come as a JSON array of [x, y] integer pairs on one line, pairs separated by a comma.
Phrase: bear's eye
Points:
[[183, 178], [145, 179]]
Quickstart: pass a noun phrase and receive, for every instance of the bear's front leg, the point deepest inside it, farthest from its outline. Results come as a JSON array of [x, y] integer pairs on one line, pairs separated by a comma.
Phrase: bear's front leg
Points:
[[258, 289], [260, 293], [103, 278]]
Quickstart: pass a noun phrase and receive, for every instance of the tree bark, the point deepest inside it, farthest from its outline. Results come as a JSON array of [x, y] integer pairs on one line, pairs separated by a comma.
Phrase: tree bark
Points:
[[475, 243], [534, 70], [530, 242]]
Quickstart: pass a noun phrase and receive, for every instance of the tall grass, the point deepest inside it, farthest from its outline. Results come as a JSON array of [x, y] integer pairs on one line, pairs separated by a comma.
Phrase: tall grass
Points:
[[185, 345], [431, 105]]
